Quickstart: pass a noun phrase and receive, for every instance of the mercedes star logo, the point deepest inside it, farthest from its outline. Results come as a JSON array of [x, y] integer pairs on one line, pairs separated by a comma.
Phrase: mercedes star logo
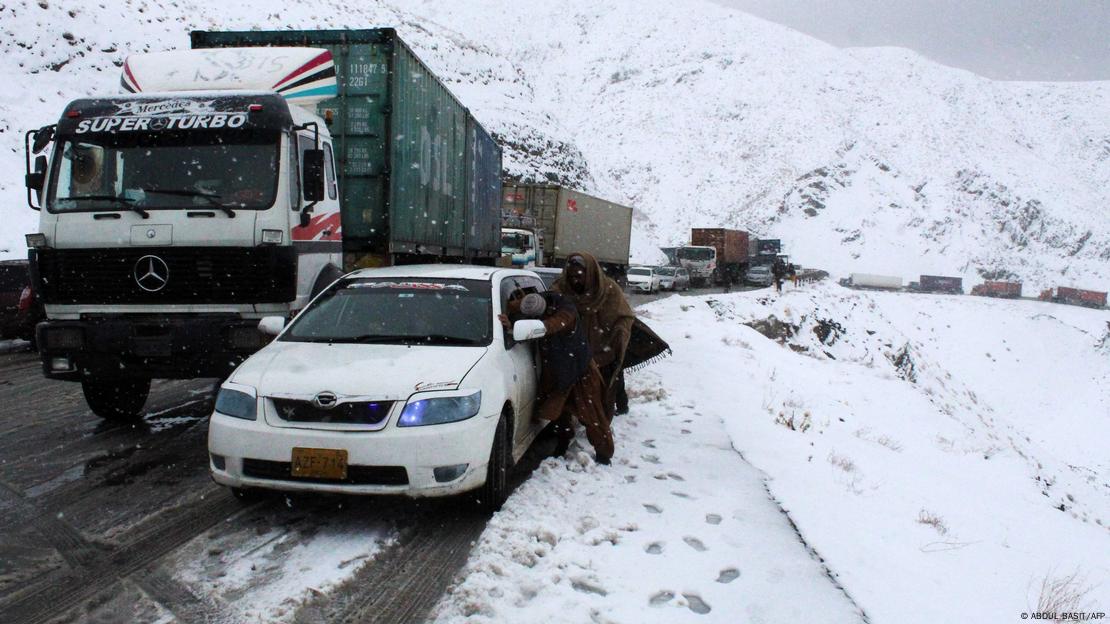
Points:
[[151, 273], [325, 400]]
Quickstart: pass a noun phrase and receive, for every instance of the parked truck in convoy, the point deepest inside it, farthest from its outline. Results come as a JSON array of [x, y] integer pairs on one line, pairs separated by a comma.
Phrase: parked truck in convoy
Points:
[[1074, 296], [938, 284], [234, 182], [1004, 290], [714, 256], [543, 224], [872, 281]]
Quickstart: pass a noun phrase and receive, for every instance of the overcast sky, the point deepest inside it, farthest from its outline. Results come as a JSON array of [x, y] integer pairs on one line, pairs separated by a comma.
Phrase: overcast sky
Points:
[[1002, 39]]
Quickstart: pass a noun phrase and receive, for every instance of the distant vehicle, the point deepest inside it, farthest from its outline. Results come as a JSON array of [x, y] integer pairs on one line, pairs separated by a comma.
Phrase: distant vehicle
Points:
[[760, 275], [1074, 296], [673, 278], [547, 274], [731, 258], [868, 280], [20, 309], [938, 284], [398, 380], [1005, 290], [558, 221], [644, 279], [699, 261]]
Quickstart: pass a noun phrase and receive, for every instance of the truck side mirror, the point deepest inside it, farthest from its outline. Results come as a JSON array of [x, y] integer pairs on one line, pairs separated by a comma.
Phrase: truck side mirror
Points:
[[36, 178], [41, 138], [313, 168]]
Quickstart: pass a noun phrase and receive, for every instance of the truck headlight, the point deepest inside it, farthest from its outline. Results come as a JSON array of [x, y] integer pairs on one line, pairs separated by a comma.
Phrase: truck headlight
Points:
[[237, 404], [440, 410], [272, 237], [35, 241]]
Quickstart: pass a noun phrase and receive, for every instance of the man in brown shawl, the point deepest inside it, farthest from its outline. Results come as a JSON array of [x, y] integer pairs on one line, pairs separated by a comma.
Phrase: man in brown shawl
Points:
[[570, 384], [606, 316]]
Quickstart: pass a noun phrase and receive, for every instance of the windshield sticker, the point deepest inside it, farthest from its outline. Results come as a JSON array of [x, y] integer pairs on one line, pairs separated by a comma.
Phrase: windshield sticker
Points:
[[410, 286], [209, 121]]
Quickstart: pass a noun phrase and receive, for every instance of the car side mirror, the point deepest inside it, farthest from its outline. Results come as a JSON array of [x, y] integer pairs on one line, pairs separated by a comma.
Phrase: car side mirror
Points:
[[271, 325], [529, 329], [313, 177]]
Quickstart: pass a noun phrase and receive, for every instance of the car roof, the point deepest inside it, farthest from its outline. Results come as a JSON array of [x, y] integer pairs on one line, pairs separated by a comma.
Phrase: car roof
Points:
[[443, 271]]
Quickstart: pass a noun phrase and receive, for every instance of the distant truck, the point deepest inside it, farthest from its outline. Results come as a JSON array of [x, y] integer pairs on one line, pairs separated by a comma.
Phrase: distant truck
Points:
[[713, 256], [938, 284], [1074, 296], [868, 280], [764, 251], [1004, 290], [543, 224], [235, 182]]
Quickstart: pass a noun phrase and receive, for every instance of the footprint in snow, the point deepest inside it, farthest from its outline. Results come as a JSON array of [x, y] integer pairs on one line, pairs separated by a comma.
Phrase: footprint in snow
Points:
[[713, 518], [651, 459], [660, 477], [685, 431], [653, 508], [675, 476], [661, 598], [695, 543], [649, 443], [630, 478], [681, 494], [696, 604], [654, 548], [728, 575], [586, 587]]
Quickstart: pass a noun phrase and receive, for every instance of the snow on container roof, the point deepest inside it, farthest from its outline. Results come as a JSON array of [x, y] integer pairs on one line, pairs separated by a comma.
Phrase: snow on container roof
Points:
[[303, 76]]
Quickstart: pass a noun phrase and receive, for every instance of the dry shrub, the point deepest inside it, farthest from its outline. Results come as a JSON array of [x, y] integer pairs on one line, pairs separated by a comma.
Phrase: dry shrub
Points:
[[929, 518], [1062, 594], [842, 462]]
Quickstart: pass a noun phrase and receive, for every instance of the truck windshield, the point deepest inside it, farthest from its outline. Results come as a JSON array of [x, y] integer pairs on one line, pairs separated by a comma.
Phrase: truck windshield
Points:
[[697, 254], [164, 171], [417, 310], [514, 242]]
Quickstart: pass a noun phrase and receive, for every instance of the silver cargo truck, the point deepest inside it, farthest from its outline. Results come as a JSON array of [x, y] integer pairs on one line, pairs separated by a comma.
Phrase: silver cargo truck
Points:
[[566, 221]]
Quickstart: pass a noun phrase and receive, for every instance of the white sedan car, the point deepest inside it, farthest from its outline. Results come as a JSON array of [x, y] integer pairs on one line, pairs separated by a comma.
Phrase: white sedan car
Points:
[[643, 279], [391, 381]]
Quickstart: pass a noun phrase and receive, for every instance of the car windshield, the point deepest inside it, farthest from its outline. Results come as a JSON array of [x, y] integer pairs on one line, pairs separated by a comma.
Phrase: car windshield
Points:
[[413, 310], [131, 171], [668, 271], [697, 254], [644, 272]]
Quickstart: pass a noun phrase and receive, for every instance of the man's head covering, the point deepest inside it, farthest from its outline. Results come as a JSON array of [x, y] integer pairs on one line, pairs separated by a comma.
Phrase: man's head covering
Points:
[[533, 305]]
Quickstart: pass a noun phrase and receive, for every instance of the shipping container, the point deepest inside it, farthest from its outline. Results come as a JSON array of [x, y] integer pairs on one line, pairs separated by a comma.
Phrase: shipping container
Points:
[[1075, 296], [571, 221], [940, 284], [731, 245], [1006, 290], [868, 280], [420, 179]]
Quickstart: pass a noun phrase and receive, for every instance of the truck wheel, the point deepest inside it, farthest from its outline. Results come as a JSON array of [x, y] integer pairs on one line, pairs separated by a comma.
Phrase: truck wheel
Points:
[[119, 400], [492, 495]]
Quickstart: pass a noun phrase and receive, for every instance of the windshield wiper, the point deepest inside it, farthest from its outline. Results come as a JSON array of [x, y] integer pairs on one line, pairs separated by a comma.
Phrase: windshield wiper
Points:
[[431, 339], [212, 198], [119, 198]]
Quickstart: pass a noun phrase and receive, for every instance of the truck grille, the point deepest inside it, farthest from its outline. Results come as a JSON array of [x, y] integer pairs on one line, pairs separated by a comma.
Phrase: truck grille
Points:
[[356, 475], [194, 275], [355, 413]]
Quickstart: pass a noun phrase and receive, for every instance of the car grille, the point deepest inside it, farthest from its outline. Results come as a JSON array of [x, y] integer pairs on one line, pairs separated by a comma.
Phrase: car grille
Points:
[[195, 275], [356, 475], [353, 413]]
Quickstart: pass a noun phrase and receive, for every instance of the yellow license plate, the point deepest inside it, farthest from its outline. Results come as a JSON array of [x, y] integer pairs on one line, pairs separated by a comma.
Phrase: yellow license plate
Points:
[[312, 463]]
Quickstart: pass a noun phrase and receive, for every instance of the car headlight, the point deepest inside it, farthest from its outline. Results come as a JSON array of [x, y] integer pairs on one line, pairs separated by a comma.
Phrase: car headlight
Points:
[[440, 410], [237, 404]]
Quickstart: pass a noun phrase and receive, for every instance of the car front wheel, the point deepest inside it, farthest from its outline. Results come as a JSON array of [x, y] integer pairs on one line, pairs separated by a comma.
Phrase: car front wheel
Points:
[[492, 495]]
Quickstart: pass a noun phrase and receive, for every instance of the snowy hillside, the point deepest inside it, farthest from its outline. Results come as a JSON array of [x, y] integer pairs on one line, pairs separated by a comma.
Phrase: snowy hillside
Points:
[[870, 160], [940, 465]]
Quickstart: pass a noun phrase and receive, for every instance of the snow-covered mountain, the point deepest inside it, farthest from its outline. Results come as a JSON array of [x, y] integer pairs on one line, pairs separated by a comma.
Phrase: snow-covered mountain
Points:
[[871, 160]]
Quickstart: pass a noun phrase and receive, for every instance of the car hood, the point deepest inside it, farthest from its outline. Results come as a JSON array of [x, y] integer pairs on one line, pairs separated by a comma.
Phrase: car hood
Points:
[[388, 372]]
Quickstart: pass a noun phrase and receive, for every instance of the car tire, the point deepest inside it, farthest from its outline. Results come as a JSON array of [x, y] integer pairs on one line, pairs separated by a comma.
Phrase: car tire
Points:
[[493, 493], [117, 400]]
